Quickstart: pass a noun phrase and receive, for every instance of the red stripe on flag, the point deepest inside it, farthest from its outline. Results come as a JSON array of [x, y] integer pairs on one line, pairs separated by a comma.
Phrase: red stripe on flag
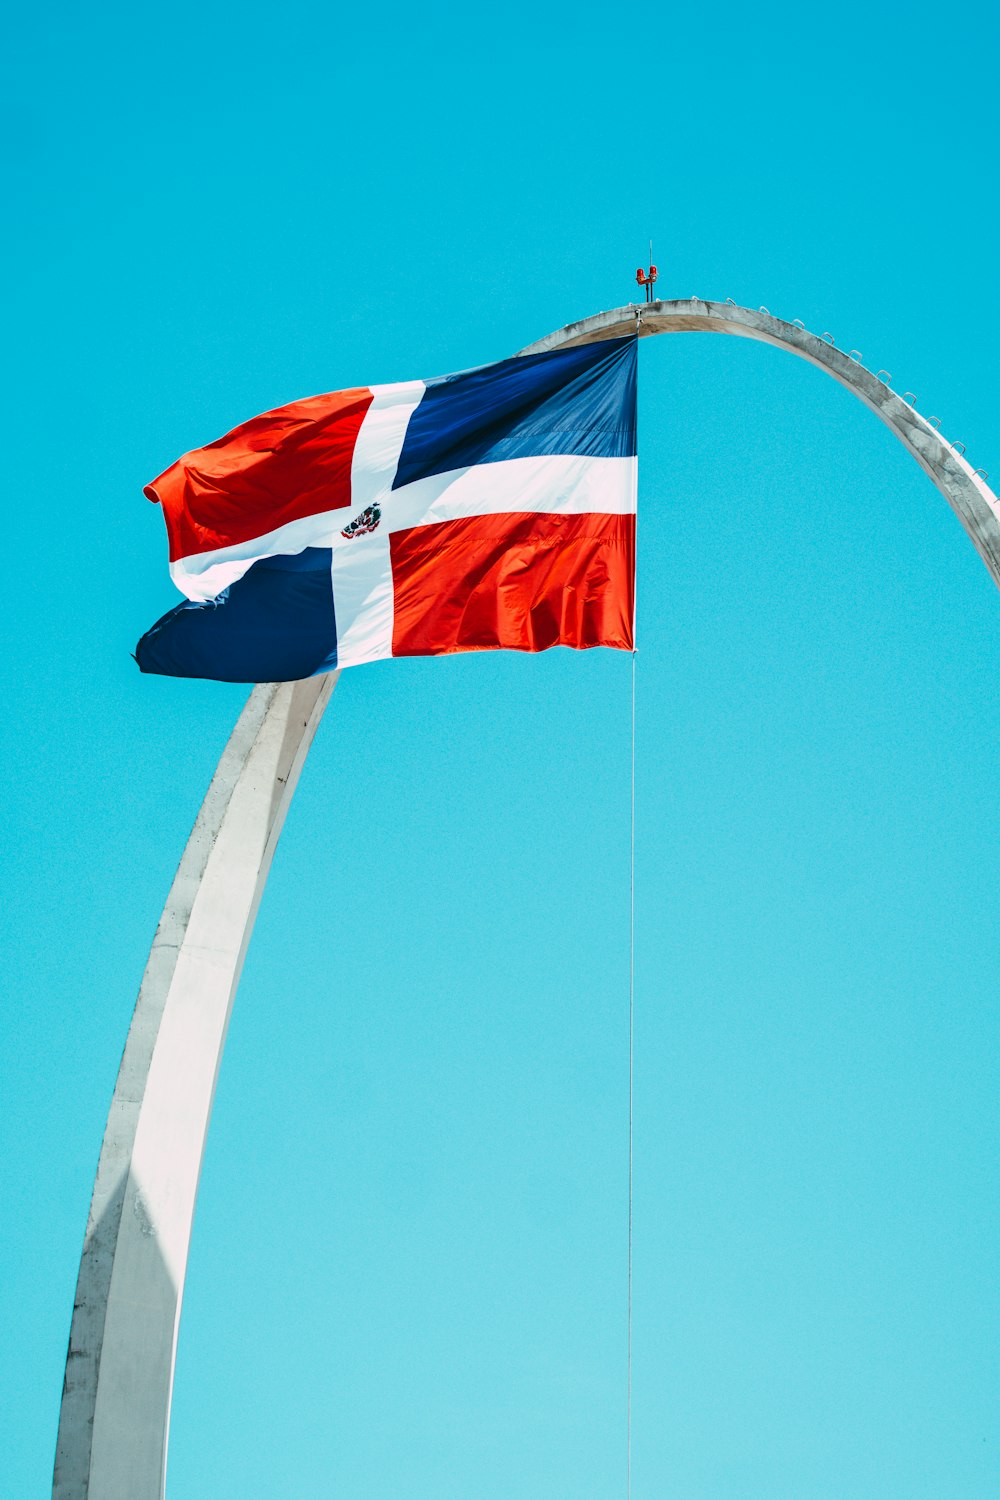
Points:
[[279, 467], [522, 582]]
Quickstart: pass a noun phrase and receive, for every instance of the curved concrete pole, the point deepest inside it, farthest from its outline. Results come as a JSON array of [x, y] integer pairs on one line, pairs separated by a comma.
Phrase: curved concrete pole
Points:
[[115, 1413], [973, 502], [112, 1442]]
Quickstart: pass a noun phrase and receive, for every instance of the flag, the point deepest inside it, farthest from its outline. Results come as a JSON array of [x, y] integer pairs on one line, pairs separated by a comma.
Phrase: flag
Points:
[[490, 509]]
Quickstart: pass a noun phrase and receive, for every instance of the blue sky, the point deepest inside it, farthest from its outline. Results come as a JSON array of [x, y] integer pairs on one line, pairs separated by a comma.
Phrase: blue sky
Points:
[[408, 1275]]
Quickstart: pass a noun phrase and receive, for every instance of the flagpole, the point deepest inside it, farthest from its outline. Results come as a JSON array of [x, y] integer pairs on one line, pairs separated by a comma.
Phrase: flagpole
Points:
[[115, 1412], [114, 1418]]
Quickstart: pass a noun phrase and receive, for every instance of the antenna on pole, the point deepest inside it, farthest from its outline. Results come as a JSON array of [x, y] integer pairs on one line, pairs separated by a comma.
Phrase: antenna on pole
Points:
[[647, 278]]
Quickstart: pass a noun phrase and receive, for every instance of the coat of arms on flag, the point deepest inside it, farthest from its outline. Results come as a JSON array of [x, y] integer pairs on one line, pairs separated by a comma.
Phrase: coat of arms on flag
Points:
[[492, 509]]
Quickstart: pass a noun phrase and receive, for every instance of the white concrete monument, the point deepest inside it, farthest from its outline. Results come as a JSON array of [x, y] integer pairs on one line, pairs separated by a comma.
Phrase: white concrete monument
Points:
[[113, 1424]]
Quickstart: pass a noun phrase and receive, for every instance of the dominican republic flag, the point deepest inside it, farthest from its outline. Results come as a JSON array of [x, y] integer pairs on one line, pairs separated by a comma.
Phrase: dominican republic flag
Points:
[[490, 509]]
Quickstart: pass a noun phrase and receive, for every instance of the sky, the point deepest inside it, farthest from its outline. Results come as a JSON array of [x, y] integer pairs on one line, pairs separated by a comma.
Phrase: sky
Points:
[[408, 1271]]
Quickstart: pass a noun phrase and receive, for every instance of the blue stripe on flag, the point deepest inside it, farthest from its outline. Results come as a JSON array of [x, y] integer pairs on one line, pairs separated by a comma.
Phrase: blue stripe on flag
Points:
[[275, 624], [570, 401]]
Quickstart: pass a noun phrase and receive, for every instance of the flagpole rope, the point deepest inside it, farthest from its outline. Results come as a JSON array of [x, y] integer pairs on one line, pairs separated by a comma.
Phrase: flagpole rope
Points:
[[631, 1079]]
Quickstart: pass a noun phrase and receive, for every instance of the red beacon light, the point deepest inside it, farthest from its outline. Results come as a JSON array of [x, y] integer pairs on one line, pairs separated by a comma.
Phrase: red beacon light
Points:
[[646, 279]]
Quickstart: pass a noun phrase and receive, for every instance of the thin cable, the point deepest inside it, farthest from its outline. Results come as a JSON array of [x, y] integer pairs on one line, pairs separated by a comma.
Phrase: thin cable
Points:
[[631, 1077]]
